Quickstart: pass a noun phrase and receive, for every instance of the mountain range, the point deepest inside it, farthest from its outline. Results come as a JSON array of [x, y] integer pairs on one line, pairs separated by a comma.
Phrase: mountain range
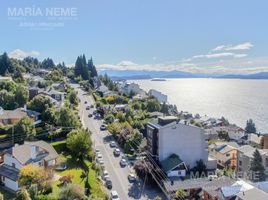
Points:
[[143, 74]]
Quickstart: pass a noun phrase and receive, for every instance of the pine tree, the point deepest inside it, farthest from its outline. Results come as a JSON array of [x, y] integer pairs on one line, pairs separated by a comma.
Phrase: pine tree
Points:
[[5, 64], [92, 68], [256, 167], [250, 127]]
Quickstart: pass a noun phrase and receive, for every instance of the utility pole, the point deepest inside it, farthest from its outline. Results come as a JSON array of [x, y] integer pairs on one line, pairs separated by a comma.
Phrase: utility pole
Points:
[[13, 139]]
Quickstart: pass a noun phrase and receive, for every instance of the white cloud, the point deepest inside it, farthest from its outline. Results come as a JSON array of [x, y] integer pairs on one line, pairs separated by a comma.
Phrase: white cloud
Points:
[[220, 55], [242, 46], [20, 54]]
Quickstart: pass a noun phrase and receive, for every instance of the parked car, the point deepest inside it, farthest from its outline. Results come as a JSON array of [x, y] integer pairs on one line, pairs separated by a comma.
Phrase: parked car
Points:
[[131, 178], [114, 195], [100, 161], [97, 151], [103, 127], [109, 183], [117, 152], [94, 112], [85, 102], [112, 144], [123, 162], [91, 106], [90, 115], [99, 155], [88, 107]]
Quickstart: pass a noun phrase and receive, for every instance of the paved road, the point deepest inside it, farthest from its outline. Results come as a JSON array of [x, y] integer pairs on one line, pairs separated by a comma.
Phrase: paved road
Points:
[[101, 141]]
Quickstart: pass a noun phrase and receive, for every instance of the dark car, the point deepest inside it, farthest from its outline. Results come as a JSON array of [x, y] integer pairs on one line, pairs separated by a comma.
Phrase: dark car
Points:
[[85, 102], [109, 184], [90, 115], [88, 107], [103, 127]]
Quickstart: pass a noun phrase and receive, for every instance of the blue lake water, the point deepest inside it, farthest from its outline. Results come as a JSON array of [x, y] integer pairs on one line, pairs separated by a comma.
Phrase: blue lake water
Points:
[[235, 99]]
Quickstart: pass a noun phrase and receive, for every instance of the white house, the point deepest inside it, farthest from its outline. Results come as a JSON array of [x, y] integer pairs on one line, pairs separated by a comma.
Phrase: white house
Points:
[[234, 132], [167, 136], [162, 98], [128, 88], [37, 153], [173, 166]]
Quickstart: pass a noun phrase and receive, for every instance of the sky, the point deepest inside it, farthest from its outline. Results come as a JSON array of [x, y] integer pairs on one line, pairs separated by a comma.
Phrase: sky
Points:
[[205, 36]]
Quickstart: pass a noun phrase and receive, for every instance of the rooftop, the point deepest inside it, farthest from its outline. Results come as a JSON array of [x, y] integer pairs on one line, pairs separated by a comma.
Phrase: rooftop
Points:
[[171, 162], [253, 193], [23, 152]]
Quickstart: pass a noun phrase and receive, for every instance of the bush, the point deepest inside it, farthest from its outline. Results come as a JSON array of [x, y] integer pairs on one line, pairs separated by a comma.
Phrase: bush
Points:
[[72, 191]]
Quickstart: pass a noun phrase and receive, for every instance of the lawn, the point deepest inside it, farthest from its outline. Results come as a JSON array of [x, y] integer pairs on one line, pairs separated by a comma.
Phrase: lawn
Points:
[[83, 174], [7, 195]]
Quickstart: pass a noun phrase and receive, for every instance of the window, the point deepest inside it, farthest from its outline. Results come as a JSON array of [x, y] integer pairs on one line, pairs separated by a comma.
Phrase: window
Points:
[[13, 165], [179, 172], [227, 154], [240, 162]]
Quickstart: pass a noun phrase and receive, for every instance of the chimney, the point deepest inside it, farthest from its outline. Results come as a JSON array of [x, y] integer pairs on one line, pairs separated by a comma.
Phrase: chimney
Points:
[[33, 152]]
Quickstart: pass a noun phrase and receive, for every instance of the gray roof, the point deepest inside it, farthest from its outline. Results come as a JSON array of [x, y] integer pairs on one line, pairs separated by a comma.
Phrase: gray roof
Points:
[[171, 162], [251, 194], [186, 184], [213, 186], [23, 152], [248, 150], [9, 172]]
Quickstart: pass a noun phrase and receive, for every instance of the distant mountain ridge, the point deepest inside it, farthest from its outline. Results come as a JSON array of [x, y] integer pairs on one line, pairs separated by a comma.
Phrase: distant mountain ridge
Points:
[[143, 74]]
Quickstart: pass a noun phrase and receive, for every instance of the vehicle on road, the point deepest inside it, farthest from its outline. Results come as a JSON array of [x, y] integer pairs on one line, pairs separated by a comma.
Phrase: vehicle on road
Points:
[[123, 162], [131, 178], [91, 106], [88, 107], [109, 183], [90, 115], [97, 151], [103, 127], [99, 155], [85, 102], [112, 144], [94, 112], [114, 195], [100, 161], [117, 152]]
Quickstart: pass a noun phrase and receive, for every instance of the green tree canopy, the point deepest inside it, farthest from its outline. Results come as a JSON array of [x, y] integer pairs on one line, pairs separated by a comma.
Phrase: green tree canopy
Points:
[[25, 129], [257, 168], [153, 105], [250, 127], [67, 118], [79, 143]]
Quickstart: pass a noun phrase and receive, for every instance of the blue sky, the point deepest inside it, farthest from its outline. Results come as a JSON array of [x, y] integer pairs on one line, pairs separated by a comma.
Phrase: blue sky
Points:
[[205, 36]]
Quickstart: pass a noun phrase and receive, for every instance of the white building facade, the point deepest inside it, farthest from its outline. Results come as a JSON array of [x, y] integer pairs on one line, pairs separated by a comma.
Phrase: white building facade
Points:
[[162, 98]]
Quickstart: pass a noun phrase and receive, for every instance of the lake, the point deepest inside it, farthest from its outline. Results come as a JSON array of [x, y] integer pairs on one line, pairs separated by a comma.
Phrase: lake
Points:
[[236, 99]]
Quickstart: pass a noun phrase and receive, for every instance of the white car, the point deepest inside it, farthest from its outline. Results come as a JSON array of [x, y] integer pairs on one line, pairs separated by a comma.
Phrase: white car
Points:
[[123, 162], [100, 161], [99, 155], [112, 144], [114, 195], [97, 151], [117, 152], [105, 175]]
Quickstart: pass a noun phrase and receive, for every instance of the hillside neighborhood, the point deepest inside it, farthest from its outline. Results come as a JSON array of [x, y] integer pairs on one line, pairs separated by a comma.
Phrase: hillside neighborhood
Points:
[[70, 133]]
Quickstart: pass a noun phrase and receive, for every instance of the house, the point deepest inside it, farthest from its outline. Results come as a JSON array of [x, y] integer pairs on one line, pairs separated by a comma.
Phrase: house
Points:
[[173, 166], [128, 88], [8, 117], [162, 98], [258, 139], [211, 189], [225, 153], [38, 153], [56, 97], [241, 190], [60, 86], [253, 193], [120, 107], [167, 136], [244, 156], [234, 132], [102, 89]]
